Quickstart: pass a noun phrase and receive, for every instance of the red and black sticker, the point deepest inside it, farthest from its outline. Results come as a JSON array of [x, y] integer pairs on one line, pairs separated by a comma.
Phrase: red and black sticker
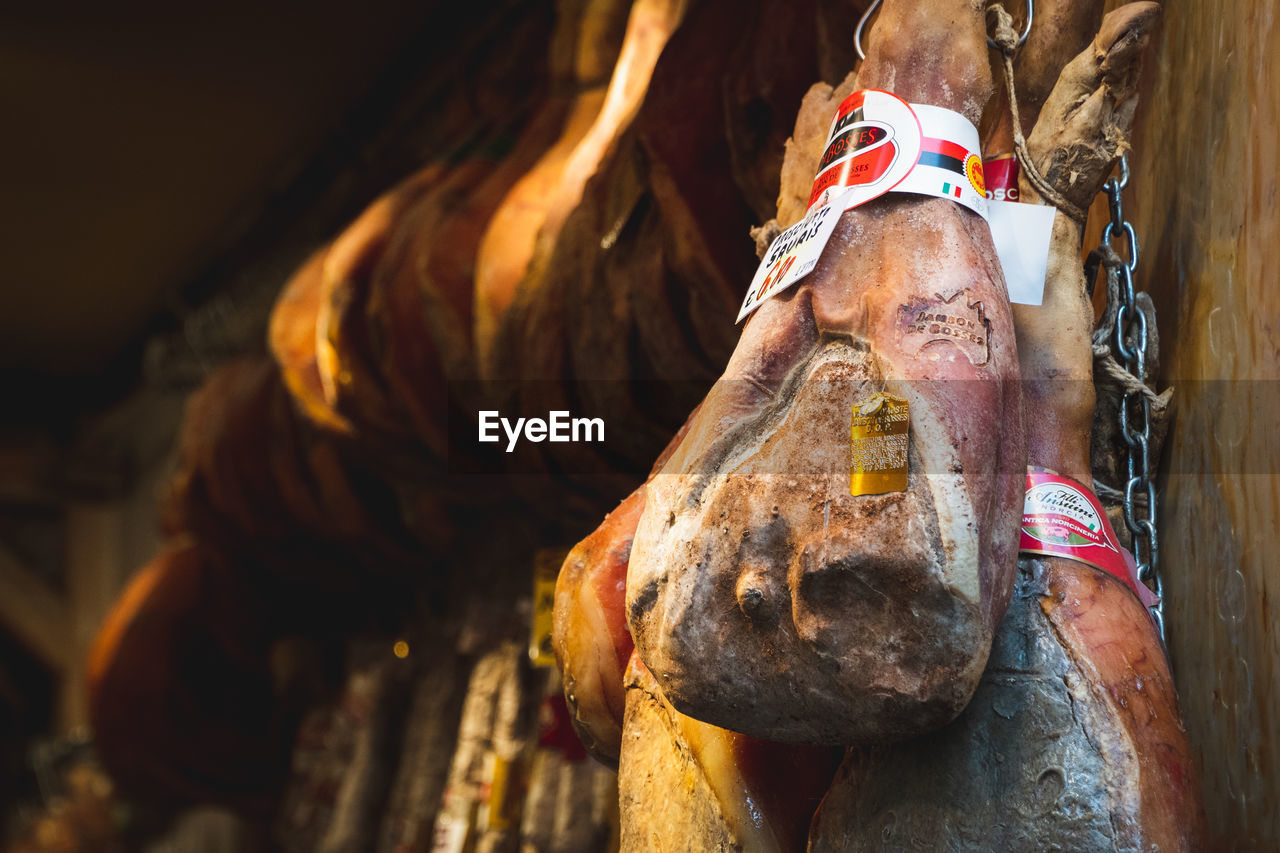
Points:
[[1002, 178], [852, 140], [865, 168], [943, 155]]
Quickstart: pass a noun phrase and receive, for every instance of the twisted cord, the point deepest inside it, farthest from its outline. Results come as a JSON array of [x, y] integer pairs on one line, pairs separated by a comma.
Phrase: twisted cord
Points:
[[1006, 40]]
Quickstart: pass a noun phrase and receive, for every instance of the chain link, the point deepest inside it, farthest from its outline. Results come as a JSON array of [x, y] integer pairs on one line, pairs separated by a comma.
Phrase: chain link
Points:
[[1130, 344]]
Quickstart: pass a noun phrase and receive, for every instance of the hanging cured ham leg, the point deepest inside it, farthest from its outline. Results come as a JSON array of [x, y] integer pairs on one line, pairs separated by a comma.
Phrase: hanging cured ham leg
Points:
[[1073, 740], [735, 792], [519, 240], [1062, 29], [507, 245], [763, 594], [590, 629]]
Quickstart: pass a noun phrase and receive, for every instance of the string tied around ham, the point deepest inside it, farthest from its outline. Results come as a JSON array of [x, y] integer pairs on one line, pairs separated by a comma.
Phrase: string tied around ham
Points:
[[1006, 39], [1110, 260]]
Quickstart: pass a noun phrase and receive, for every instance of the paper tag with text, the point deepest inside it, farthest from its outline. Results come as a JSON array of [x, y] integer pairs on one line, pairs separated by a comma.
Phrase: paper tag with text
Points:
[[793, 254], [878, 143], [872, 145]]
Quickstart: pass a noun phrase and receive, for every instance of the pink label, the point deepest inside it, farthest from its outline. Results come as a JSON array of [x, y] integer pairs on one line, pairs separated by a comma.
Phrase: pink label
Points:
[[1062, 518]]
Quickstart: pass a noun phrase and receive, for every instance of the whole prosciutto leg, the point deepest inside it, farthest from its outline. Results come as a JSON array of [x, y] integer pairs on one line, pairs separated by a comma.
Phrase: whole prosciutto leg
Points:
[[736, 792], [762, 594], [1073, 740]]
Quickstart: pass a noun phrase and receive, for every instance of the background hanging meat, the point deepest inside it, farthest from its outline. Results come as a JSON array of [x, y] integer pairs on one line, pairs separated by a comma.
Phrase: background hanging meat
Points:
[[182, 697], [280, 546], [534, 208], [629, 317]]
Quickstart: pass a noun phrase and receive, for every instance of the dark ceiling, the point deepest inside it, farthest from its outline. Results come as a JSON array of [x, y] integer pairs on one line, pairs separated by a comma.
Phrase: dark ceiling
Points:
[[139, 139]]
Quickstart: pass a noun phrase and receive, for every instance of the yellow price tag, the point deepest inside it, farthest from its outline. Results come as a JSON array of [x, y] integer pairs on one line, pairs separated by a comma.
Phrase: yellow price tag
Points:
[[546, 568]]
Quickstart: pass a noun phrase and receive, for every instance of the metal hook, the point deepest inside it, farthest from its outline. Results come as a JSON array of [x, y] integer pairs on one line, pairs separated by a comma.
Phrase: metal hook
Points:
[[862, 22], [1026, 29], [866, 16]]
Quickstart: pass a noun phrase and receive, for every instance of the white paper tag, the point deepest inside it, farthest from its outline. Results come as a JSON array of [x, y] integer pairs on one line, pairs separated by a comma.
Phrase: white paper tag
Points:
[[793, 254], [1021, 234], [450, 834], [872, 145]]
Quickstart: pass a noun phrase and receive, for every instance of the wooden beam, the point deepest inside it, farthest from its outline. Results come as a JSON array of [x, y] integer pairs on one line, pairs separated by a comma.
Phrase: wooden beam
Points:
[[35, 613], [95, 575]]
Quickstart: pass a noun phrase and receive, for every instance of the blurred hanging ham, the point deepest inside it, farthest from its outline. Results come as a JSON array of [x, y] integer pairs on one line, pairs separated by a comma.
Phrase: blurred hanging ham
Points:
[[627, 313], [762, 594], [278, 545], [521, 312], [254, 481], [372, 329], [1073, 740], [423, 299], [182, 698], [534, 207]]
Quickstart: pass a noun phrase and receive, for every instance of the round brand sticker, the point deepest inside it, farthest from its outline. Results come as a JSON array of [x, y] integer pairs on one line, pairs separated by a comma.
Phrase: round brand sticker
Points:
[[973, 168], [872, 145]]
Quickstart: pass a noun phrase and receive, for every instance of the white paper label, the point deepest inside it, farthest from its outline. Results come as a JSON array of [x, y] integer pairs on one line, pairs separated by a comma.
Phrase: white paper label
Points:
[[1021, 234], [793, 254], [950, 162], [872, 145], [450, 835], [878, 143]]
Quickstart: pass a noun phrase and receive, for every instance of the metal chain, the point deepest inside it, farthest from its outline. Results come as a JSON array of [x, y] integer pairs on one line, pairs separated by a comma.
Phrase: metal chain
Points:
[[1130, 345]]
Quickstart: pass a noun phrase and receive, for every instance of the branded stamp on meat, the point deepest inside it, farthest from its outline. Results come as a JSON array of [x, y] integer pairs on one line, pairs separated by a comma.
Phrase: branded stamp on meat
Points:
[[955, 320]]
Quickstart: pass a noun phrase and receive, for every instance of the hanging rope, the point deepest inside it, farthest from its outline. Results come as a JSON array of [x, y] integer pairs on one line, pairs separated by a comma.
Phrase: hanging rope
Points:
[[1006, 40]]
